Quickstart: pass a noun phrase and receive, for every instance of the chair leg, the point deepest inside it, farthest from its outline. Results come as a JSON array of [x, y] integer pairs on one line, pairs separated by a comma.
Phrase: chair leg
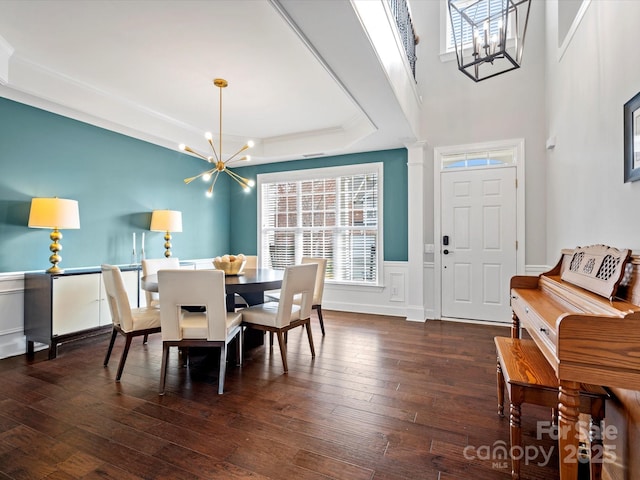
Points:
[[239, 348], [516, 440], [123, 359], [500, 383], [163, 368], [223, 368], [183, 353], [310, 335], [271, 339], [319, 309], [114, 333], [145, 339], [283, 350]]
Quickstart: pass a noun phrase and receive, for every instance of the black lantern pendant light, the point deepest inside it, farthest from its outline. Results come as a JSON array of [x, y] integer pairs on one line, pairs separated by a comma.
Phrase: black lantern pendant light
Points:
[[488, 35]]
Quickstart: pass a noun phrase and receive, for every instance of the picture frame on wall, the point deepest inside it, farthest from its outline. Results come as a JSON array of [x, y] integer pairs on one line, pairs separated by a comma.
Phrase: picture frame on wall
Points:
[[632, 139]]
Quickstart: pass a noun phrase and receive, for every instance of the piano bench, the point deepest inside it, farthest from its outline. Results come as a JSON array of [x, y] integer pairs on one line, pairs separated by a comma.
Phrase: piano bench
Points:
[[529, 378]]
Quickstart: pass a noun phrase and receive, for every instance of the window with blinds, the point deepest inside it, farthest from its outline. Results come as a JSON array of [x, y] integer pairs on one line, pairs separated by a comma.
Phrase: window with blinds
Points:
[[333, 213]]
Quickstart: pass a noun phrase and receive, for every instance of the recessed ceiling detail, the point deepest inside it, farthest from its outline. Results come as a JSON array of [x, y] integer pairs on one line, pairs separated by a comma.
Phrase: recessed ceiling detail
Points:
[[146, 72]]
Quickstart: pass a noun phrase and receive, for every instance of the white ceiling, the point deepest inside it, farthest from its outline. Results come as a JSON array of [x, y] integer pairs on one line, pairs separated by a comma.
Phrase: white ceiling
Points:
[[145, 68]]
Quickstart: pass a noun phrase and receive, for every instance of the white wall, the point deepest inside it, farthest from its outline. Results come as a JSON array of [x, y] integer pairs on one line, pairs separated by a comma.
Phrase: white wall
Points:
[[588, 200], [459, 111]]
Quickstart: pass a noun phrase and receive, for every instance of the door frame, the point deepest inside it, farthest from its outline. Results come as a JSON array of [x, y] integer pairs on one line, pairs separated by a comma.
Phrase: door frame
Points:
[[438, 153]]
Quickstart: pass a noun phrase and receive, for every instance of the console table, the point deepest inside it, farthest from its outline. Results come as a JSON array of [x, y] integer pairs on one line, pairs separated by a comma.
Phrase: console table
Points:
[[67, 306]]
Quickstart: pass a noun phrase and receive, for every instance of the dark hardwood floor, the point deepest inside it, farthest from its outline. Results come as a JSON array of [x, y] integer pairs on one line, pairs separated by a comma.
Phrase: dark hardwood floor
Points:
[[383, 399]]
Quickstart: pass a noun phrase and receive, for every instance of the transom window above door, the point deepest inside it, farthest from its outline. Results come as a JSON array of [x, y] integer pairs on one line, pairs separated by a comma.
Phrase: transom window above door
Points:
[[479, 159]]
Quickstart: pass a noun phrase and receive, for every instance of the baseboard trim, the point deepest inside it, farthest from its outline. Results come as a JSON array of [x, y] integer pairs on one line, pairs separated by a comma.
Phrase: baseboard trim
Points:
[[477, 322], [363, 308]]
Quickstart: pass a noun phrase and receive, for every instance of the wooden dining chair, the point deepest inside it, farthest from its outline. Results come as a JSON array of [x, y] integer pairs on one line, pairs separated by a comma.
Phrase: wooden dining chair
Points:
[[280, 317], [150, 266], [130, 322], [213, 327]]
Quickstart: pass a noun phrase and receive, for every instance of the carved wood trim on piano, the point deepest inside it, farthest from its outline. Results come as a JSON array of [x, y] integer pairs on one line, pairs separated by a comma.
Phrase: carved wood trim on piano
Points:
[[597, 268]]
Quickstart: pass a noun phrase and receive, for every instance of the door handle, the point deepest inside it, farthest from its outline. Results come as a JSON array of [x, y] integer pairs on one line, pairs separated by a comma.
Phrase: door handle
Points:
[[446, 252]]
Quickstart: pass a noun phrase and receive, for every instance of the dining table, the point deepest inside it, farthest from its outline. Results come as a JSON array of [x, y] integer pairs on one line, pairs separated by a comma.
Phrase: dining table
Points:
[[250, 284]]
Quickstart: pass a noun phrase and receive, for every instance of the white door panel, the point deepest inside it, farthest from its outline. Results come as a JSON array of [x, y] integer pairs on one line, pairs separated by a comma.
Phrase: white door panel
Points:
[[479, 218]]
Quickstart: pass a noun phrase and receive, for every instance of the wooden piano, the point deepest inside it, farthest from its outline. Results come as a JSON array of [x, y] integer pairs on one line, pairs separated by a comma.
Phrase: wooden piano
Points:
[[584, 315]]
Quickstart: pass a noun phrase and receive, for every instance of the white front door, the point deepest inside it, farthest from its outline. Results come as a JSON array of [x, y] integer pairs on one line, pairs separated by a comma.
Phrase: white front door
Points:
[[478, 254]]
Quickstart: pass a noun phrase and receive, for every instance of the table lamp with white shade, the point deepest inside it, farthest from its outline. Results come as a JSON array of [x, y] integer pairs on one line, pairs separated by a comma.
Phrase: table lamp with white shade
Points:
[[166, 221], [55, 213]]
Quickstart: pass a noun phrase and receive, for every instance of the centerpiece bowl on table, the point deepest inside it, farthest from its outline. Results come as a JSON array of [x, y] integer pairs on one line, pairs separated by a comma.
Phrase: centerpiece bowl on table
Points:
[[230, 264]]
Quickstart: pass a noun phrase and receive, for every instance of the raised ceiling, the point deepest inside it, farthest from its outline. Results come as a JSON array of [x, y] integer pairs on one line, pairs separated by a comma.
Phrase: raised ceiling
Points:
[[145, 69]]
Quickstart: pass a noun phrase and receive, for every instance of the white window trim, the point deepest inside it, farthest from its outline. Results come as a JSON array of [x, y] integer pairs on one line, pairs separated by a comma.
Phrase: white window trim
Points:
[[332, 172], [519, 163]]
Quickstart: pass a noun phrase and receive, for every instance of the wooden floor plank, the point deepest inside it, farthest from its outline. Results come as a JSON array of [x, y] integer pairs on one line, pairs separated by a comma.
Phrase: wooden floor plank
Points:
[[331, 467]]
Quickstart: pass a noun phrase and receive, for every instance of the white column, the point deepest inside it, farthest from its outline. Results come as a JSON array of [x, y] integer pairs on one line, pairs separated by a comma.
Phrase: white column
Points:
[[415, 232]]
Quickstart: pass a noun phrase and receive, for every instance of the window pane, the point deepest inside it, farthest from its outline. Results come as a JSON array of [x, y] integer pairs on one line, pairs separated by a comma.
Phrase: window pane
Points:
[[476, 159], [357, 256], [502, 156], [478, 12], [281, 249]]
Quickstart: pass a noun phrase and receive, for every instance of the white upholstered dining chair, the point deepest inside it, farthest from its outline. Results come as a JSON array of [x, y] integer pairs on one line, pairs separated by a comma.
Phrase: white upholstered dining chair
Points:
[[130, 322], [251, 263], [280, 317], [213, 327], [318, 291], [150, 266]]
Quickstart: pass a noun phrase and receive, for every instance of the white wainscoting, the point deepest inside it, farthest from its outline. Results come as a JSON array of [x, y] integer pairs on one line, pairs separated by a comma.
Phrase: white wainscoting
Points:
[[387, 299], [12, 340], [429, 290], [535, 270]]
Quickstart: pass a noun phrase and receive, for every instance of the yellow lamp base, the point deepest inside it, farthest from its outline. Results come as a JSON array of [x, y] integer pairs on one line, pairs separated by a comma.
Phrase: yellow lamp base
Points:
[[167, 244], [55, 247]]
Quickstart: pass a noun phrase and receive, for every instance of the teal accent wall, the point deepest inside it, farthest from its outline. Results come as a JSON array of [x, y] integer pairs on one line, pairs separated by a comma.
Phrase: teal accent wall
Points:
[[117, 181], [244, 215]]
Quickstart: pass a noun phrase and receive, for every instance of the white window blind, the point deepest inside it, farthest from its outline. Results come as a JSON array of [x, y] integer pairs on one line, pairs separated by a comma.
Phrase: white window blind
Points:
[[333, 213]]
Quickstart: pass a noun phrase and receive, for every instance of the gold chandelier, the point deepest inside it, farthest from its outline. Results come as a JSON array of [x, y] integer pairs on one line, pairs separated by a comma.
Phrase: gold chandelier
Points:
[[220, 165]]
